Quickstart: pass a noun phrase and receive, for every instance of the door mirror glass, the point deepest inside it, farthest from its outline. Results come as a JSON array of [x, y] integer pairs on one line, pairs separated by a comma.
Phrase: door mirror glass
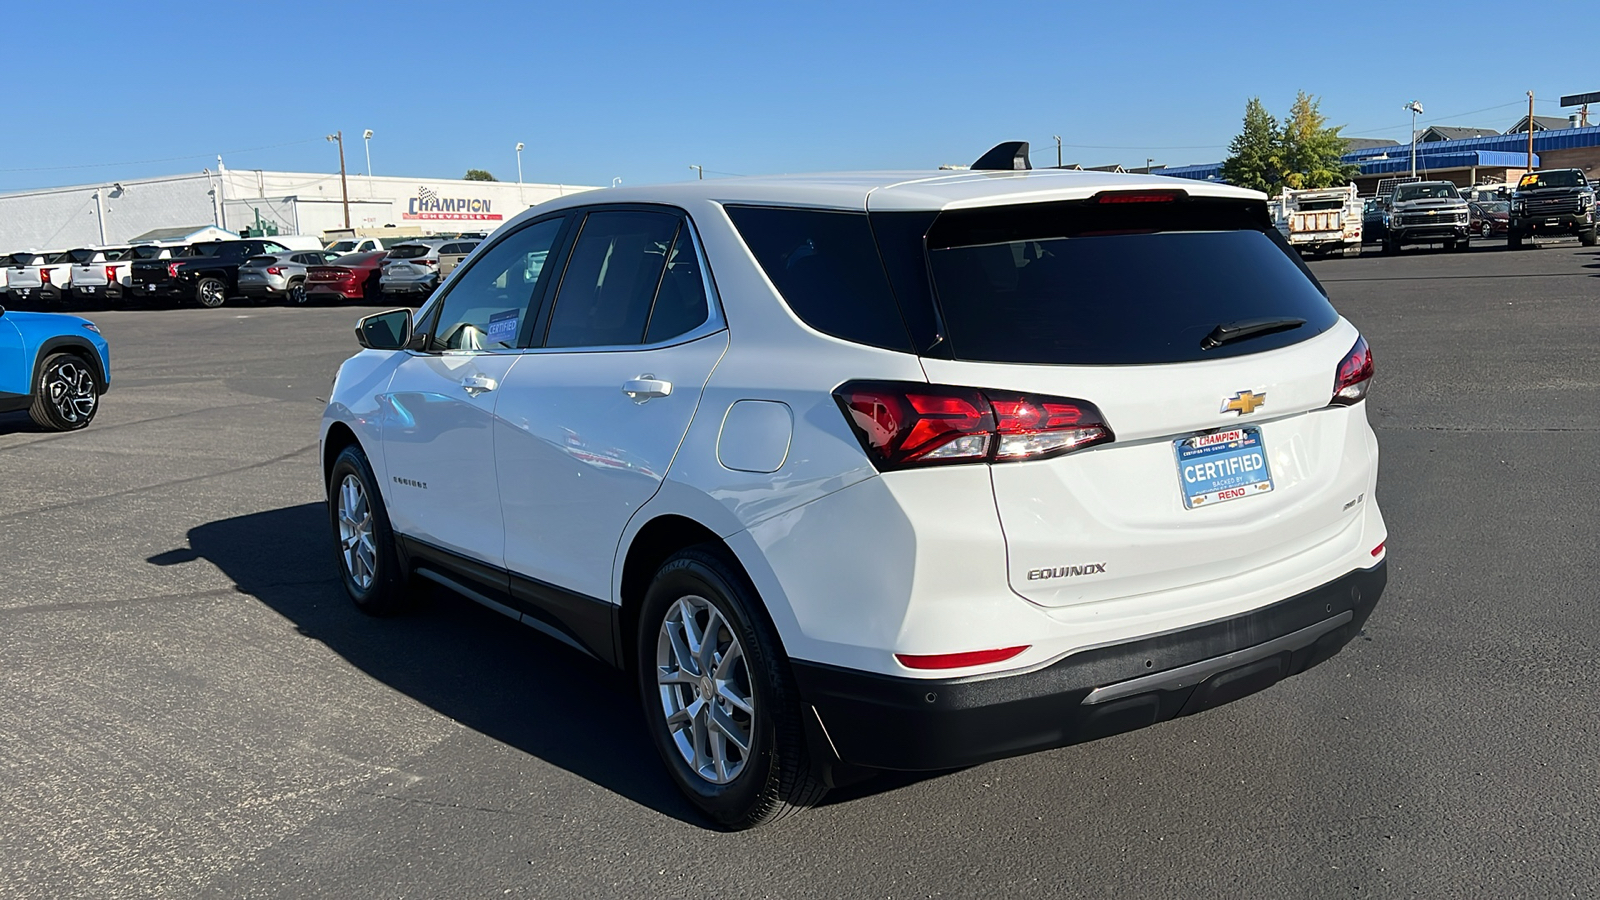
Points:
[[386, 330]]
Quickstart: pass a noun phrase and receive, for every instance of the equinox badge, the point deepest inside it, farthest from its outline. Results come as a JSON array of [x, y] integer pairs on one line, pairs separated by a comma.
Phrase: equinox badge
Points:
[[1244, 403]]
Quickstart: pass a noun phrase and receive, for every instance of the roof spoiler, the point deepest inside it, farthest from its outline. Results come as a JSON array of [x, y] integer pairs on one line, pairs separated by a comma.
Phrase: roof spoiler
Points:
[[1007, 156]]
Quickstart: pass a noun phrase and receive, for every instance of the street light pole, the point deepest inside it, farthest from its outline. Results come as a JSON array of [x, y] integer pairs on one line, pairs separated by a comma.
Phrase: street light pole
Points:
[[1530, 131], [366, 138], [344, 184], [699, 171], [1416, 108], [1058, 149], [519, 174]]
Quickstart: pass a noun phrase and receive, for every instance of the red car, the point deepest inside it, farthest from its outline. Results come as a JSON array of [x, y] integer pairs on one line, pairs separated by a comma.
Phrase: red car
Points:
[[353, 276], [1491, 218]]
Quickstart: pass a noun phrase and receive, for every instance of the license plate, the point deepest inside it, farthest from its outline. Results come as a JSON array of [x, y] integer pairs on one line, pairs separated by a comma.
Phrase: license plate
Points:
[[91, 288], [1221, 466], [1552, 221]]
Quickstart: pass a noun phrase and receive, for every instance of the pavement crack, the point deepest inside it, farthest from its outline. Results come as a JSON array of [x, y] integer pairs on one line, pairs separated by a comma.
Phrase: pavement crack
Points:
[[158, 486], [467, 807]]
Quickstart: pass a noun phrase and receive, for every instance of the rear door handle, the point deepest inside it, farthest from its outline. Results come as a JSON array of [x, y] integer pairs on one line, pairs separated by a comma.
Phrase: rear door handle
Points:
[[478, 384], [645, 387]]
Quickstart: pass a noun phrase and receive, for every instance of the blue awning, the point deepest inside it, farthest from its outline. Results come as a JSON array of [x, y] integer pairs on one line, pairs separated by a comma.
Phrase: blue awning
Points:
[[1401, 162]]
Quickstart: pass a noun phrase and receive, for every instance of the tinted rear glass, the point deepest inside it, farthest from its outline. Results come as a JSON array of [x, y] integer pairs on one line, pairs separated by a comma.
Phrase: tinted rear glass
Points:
[[146, 252], [409, 251], [825, 265], [1013, 288]]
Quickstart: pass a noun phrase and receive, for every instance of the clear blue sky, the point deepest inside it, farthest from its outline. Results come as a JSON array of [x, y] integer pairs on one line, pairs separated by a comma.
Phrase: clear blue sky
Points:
[[642, 90]]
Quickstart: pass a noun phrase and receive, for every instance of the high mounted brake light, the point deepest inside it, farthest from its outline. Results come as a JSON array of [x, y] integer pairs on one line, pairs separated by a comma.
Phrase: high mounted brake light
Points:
[[1353, 378], [1162, 195], [905, 425]]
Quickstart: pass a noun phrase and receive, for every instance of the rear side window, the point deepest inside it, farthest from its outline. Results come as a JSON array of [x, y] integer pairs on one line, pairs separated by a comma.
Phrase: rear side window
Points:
[[1061, 286], [611, 279], [825, 265]]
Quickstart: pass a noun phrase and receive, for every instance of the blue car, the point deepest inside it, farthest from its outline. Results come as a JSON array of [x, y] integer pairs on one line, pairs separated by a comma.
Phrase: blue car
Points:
[[55, 366]]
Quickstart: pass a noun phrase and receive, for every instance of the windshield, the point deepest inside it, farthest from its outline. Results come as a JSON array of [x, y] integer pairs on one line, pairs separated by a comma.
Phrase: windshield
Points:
[[1561, 178], [1439, 191]]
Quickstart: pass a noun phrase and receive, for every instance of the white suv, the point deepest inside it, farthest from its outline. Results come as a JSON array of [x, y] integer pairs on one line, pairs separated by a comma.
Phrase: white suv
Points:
[[887, 471]]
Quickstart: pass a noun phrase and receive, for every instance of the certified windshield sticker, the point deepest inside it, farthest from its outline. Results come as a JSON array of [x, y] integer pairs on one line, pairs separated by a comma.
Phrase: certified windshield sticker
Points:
[[503, 327]]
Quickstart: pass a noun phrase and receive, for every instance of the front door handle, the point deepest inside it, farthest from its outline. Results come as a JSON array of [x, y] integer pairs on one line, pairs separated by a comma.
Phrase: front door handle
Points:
[[478, 384], [645, 387]]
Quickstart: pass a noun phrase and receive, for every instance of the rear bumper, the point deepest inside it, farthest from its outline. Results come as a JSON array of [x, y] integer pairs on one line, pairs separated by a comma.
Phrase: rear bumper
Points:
[[882, 721], [347, 292]]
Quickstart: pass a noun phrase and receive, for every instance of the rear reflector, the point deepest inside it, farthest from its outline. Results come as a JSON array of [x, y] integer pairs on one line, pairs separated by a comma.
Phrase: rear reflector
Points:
[[959, 660], [1354, 376], [1378, 550], [905, 425]]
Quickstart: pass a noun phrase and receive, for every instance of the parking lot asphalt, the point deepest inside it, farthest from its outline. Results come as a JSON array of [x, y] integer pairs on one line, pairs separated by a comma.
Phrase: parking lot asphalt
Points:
[[189, 706]]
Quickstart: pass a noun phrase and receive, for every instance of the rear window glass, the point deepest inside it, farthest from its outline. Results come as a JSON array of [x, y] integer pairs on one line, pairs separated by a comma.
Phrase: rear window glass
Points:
[[409, 251], [825, 265], [1013, 292], [146, 252]]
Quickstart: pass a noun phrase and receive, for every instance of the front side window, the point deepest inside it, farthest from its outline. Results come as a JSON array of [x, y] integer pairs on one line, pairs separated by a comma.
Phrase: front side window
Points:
[[611, 281], [488, 304]]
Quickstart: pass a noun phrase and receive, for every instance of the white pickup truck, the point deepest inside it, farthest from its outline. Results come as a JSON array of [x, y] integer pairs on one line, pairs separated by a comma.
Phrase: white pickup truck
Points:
[[1323, 220], [38, 278], [94, 275]]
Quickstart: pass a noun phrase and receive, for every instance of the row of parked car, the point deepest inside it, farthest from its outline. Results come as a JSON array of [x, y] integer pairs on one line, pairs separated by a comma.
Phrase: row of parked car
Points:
[[293, 269], [1547, 203]]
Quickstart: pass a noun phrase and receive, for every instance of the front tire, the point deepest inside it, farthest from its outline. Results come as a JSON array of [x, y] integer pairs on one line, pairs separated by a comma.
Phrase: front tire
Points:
[[719, 700], [211, 293], [67, 396], [1587, 237], [364, 545]]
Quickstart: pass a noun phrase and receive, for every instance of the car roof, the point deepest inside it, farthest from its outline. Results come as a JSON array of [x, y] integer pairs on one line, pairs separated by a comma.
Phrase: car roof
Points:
[[915, 190]]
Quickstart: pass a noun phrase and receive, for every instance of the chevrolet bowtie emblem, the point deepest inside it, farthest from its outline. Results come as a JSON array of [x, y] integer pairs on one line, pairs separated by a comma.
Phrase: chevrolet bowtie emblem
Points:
[[1244, 403]]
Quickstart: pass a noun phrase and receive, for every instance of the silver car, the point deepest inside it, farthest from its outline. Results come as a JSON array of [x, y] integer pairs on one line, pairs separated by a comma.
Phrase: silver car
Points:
[[411, 268], [282, 274]]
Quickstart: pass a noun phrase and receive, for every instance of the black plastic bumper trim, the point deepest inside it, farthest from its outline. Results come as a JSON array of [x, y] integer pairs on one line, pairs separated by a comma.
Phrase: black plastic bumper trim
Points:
[[890, 722]]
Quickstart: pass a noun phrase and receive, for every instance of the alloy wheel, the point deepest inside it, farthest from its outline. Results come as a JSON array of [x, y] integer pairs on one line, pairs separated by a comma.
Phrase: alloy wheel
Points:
[[356, 547], [704, 683], [211, 294], [297, 294], [70, 387]]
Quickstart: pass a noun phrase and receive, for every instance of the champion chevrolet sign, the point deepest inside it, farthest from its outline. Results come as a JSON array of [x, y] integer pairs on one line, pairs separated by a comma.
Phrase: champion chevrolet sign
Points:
[[428, 205]]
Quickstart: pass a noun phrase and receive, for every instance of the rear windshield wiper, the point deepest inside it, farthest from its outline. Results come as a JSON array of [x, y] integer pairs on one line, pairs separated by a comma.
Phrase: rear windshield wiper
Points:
[[1247, 328]]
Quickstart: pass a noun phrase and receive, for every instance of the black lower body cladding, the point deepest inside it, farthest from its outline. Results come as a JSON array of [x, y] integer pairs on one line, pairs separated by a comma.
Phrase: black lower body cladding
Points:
[[882, 721]]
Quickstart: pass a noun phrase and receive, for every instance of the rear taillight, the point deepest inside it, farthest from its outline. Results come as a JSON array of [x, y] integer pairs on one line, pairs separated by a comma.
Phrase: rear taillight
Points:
[[44, 276], [274, 270], [905, 425], [1354, 377], [427, 262], [111, 273], [172, 270]]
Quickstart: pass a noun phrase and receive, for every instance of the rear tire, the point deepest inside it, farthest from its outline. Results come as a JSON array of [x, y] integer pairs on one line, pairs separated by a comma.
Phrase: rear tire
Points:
[[363, 541], [67, 395], [710, 660], [211, 292], [297, 293]]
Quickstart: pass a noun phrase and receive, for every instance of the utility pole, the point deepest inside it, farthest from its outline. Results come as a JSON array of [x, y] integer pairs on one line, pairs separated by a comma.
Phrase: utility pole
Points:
[[344, 185], [1530, 131], [1149, 162], [701, 173], [519, 175], [1058, 149]]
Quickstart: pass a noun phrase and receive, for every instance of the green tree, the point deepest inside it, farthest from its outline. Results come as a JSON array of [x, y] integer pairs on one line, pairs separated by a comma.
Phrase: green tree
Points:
[[479, 175], [1253, 153], [1309, 150]]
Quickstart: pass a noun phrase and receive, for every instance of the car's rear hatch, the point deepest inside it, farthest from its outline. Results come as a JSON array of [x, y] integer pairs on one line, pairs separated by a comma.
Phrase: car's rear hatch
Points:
[[89, 272], [1206, 349], [22, 270]]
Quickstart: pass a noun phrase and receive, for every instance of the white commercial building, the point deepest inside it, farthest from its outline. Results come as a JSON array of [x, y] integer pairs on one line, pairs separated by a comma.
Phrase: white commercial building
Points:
[[113, 212]]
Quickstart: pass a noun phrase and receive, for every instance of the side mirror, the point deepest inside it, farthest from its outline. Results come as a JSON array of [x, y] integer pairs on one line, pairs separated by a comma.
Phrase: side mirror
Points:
[[385, 331]]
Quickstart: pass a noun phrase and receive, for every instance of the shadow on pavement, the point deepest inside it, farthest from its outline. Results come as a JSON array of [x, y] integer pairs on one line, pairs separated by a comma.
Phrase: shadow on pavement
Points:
[[466, 662], [20, 422]]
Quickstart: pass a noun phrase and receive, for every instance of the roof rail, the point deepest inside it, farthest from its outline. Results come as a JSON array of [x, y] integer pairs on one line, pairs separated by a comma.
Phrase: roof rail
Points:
[[1007, 156]]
